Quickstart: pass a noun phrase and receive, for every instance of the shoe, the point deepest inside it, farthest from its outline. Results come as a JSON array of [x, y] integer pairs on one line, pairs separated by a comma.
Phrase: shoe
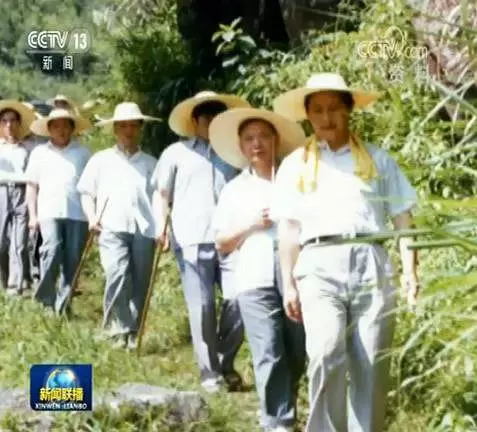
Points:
[[233, 380], [280, 429], [13, 292], [132, 341], [213, 385], [120, 341]]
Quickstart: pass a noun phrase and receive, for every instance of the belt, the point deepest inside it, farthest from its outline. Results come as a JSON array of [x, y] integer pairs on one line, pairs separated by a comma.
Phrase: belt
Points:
[[337, 237]]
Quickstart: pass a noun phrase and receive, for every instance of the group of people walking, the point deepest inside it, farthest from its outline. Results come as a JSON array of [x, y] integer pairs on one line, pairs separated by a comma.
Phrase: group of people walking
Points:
[[250, 200]]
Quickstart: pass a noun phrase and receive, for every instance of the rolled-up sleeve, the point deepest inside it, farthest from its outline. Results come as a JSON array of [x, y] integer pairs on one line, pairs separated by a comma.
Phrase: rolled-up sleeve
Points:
[[163, 177], [88, 182], [400, 195]]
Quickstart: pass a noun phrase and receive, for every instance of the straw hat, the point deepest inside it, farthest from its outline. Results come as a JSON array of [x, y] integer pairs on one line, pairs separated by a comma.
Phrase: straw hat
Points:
[[62, 98], [180, 120], [225, 141], [292, 103], [124, 112], [26, 114], [32, 107], [40, 126]]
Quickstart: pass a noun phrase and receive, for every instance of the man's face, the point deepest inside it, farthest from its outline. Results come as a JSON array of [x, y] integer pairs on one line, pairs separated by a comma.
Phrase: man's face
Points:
[[329, 116], [202, 124], [60, 131], [258, 142], [10, 125], [128, 132]]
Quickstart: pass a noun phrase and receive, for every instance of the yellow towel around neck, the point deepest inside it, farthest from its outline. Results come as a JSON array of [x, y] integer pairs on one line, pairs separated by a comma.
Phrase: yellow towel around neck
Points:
[[365, 167]]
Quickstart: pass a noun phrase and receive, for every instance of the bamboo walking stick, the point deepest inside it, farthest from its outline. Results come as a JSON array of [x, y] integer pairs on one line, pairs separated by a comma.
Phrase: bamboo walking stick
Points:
[[86, 249], [155, 266]]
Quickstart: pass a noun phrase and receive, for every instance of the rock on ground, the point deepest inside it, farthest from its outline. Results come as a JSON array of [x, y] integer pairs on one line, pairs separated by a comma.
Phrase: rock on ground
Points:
[[181, 406]]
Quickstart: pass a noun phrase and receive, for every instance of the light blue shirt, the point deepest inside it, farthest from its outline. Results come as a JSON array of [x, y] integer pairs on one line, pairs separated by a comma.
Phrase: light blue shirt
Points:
[[342, 202], [193, 175]]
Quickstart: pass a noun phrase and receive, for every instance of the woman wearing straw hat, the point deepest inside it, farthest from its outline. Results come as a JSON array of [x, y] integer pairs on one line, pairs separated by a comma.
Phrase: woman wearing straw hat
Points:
[[15, 120], [255, 139], [336, 187], [116, 197], [190, 177], [54, 204]]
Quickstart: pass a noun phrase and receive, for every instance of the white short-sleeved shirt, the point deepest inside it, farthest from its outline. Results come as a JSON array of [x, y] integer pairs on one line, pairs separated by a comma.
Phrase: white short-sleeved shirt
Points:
[[123, 186], [56, 171], [239, 203], [342, 202], [13, 161]]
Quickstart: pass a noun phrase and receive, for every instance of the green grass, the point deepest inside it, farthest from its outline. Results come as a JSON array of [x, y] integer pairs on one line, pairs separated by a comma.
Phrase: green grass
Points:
[[29, 337], [424, 396]]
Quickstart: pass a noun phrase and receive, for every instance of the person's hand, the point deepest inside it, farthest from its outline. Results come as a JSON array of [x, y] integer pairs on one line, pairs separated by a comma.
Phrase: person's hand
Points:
[[262, 220], [291, 303], [33, 225], [410, 287], [95, 226], [163, 240]]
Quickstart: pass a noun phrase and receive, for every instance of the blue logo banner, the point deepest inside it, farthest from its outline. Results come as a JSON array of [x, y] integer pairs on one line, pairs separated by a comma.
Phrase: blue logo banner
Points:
[[61, 387]]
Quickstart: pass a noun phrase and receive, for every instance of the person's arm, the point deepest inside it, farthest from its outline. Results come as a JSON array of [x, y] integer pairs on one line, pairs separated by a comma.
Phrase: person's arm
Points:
[[88, 204], [12, 177], [409, 259], [32, 173], [88, 188], [289, 249], [401, 199], [163, 183], [32, 200], [230, 238]]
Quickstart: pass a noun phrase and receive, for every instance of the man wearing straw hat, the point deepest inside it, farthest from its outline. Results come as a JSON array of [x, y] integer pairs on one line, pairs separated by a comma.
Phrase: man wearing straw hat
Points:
[[190, 177], [335, 187], [254, 140], [54, 204], [15, 120], [61, 101], [116, 194]]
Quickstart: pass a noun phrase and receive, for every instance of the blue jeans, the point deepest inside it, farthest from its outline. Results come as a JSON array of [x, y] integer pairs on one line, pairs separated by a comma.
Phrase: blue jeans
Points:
[[277, 345], [215, 346], [60, 254]]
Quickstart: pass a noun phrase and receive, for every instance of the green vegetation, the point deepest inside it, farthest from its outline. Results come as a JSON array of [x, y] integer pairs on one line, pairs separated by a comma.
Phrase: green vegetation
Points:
[[435, 350]]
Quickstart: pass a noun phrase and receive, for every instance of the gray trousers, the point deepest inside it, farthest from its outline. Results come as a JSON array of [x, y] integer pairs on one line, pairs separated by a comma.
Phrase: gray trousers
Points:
[[14, 260], [127, 261], [277, 345], [215, 346], [60, 253], [348, 304]]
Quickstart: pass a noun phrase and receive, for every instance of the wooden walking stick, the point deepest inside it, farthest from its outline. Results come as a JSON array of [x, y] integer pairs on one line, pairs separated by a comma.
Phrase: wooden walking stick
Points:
[[86, 249], [155, 266]]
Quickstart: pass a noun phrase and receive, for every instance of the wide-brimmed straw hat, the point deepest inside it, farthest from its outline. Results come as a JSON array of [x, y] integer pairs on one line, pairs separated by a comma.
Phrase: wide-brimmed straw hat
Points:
[[126, 111], [32, 108], [40, 126], [62, 98], [180, 119], [27, 116], [292, 103], [224, 137]]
